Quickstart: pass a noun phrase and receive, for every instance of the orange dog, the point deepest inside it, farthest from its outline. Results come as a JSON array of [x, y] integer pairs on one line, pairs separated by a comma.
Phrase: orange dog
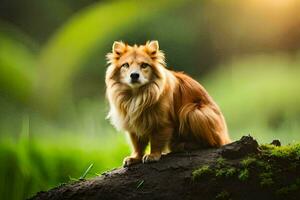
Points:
[[154, 104]]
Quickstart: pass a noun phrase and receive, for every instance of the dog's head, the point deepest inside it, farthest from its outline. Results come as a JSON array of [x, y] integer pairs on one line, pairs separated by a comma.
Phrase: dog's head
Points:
[[135, 66]]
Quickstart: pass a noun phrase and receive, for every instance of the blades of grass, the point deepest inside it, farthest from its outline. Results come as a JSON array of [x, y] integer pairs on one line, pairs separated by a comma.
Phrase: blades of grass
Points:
[[140, 184], [72, 179], [86, 172]]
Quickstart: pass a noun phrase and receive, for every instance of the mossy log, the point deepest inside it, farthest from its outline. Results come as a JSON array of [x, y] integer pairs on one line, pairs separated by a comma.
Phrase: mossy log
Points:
[[240, 170]]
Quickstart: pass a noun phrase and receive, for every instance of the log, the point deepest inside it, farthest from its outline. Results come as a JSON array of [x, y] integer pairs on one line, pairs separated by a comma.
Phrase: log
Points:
[[230, 172]]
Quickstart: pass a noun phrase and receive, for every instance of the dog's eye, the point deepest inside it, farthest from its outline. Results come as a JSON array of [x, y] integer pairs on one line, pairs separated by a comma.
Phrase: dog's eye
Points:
[[145, 65], [125, 65]]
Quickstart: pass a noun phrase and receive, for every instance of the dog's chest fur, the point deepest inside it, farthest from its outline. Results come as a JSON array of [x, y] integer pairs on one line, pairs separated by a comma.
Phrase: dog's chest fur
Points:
[[133, 117]]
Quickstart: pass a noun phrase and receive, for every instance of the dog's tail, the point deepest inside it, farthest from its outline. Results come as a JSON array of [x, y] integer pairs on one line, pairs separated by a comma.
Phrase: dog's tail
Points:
[[205, 122]]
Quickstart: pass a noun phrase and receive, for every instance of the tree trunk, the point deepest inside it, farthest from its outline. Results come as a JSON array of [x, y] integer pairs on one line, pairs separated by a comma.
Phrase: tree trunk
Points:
[[224, 173]]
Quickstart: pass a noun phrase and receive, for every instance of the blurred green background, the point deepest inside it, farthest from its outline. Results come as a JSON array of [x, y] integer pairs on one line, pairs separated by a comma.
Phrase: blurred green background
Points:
[[52, 66]]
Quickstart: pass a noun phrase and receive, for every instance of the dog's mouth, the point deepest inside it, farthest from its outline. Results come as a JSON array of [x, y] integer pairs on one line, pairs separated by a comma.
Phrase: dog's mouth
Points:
[[135, 82]]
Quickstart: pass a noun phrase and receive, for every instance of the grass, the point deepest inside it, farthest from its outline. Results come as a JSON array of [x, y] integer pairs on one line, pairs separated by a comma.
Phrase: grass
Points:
[[39, 164], [140, 184], [86, 172]]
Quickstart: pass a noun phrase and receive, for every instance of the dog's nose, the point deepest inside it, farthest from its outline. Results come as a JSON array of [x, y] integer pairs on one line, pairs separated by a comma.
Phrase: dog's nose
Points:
[[134, 76]]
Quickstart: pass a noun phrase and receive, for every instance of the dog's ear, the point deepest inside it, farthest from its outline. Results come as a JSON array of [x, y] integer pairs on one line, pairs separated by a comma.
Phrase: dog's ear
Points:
[[118, 47], [153, 46]]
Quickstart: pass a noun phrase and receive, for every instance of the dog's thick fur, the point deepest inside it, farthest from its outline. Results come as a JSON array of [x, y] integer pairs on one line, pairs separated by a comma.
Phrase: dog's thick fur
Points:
[[169, 109]]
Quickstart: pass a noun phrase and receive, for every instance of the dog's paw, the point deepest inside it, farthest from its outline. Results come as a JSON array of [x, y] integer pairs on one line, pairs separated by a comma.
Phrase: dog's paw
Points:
[[151, 158], [128, 161]]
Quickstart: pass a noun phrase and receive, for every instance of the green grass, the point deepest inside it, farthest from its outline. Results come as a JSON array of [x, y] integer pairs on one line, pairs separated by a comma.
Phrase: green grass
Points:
[[31, 165]]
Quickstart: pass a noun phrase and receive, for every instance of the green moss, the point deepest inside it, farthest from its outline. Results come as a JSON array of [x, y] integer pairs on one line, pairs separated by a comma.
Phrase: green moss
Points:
[[266, 182], [231, 171], [244, 174], [226, 172], [202, 171], [264, 165], [266, 179], [298, 181], [221, 161], [224, 195], [248, 161], [223, 170], [288, 151], [287, 190]]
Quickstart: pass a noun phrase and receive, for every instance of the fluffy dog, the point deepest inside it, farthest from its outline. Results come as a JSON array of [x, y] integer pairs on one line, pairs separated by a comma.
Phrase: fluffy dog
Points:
[[153, 104]]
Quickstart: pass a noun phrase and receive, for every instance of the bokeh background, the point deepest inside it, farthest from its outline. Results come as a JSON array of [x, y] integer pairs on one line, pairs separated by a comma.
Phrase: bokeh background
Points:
[[52, 66]]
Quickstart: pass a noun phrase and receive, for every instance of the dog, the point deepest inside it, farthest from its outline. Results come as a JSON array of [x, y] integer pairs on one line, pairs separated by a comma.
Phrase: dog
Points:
[[168, 109]]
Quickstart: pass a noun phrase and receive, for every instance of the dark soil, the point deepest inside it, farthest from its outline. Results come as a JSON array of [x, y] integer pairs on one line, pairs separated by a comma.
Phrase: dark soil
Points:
[[240, 170]]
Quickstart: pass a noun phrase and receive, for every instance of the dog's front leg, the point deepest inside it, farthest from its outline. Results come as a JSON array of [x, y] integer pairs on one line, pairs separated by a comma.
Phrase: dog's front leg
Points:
[[139, 145], [158, 142]]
